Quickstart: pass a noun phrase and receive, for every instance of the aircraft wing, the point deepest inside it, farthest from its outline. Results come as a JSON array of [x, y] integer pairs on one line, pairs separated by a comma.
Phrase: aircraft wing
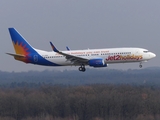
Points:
[[72, 58]]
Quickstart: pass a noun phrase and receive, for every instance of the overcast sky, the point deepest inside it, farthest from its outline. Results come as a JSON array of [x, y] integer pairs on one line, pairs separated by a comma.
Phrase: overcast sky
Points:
[[80, 25]]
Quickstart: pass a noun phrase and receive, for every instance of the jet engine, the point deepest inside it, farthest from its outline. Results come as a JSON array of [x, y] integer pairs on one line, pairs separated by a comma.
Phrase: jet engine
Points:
[[97, 63]]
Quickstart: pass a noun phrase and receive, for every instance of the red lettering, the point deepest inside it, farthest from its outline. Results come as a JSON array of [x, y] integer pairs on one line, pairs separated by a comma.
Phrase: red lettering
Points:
[[108, 58], [117, 57], [120, 57], [111, 58]]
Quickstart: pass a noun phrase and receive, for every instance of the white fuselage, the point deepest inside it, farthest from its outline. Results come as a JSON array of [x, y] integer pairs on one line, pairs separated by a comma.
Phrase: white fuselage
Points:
[[110, 55]]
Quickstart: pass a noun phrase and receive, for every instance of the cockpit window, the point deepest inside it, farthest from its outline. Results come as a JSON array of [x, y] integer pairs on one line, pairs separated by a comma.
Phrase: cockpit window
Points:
[[145, 51]]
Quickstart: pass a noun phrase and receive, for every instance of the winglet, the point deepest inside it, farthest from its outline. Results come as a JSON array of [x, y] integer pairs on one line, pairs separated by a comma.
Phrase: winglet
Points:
[[53, 47], [67, 48]]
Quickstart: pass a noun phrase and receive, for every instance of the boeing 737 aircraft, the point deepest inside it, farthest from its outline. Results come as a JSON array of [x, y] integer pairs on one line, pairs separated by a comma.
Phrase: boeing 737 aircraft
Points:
[[92, 57]]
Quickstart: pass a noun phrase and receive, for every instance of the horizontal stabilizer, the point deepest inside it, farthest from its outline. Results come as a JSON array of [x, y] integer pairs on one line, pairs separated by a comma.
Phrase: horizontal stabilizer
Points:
[[16, 55]]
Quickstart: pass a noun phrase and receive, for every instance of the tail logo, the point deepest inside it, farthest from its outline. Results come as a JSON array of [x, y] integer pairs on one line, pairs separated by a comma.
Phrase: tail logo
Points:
[[20, 49]]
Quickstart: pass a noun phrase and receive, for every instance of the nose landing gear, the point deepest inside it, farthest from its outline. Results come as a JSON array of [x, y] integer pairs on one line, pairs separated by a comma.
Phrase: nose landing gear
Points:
[[140, 65]]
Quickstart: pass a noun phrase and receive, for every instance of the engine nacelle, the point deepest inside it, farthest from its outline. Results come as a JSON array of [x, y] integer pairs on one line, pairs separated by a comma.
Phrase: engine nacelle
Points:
[[97, 63]]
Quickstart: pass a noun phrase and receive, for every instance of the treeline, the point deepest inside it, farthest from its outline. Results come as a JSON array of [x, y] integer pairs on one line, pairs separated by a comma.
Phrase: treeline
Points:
[[91, 76], [90, 102]]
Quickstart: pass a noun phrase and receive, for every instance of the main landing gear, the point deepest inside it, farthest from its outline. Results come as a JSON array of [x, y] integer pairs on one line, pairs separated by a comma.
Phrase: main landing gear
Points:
[[82, 68]]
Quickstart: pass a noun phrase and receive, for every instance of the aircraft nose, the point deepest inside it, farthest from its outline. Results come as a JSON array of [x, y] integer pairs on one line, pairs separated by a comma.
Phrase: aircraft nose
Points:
[[153, 55]]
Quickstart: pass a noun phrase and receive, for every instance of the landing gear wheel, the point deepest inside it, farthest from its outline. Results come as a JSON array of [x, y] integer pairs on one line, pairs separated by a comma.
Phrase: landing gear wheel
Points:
[[82, 68], [140, 66]]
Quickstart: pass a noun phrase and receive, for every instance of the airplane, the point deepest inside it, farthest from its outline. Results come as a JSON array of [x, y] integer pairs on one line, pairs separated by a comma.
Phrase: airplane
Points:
[[90, 57]]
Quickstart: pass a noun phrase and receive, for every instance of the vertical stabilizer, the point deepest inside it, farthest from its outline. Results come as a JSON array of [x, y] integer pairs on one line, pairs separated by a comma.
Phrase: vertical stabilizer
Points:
[[21, 46]]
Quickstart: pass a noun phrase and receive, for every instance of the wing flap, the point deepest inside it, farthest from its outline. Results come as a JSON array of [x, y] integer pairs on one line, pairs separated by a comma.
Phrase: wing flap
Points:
[[72, 57]]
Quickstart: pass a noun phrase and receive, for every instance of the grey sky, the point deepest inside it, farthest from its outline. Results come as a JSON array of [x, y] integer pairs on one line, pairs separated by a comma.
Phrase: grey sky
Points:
[[80, 25]]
